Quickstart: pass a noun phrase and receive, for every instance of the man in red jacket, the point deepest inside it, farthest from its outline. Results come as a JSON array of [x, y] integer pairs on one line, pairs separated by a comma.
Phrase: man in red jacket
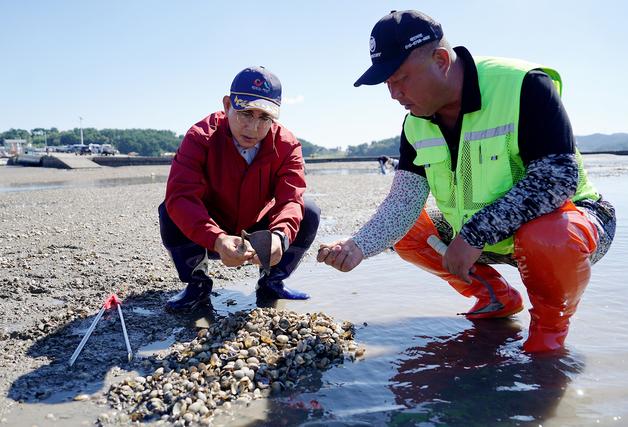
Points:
[[235, 170]]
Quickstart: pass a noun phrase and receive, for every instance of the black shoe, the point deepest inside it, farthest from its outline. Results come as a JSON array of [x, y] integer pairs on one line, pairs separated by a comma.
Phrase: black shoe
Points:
[[195, 295]]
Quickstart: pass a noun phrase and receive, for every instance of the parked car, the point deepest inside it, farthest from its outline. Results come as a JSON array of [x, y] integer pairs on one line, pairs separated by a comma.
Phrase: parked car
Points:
[[107, 150], [63, 149], [96, 148], [79, 149]]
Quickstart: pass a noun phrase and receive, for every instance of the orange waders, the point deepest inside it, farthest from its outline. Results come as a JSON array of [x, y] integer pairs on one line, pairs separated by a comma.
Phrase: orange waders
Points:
[[552, 253]]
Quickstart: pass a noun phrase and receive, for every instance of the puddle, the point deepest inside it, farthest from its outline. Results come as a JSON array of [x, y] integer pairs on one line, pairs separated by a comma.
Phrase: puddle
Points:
[[143, 311], [94, 183], [157, 347], [328, 221]]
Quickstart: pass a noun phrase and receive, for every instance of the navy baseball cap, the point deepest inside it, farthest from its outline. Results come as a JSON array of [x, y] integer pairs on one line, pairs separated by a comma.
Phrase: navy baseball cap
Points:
[[393, 38], [256, 88]]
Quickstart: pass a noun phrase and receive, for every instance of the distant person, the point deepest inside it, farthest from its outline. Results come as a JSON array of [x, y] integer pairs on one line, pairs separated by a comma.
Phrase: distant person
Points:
[[394, 163], [490, 139], [383, 160], [237, 169]]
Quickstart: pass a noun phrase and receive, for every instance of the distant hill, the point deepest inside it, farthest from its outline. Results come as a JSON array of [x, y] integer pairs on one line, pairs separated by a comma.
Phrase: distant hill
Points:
[[602, 142], [390, 146], [312, 150]]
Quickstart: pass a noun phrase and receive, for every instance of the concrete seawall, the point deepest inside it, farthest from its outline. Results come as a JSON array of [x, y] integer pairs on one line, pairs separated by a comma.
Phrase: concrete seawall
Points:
[[54, 160], [114, 161]]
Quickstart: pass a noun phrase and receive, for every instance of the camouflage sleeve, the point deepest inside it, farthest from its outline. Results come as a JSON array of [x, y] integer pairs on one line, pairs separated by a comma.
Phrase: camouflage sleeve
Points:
[[548, 183], [395, 215]]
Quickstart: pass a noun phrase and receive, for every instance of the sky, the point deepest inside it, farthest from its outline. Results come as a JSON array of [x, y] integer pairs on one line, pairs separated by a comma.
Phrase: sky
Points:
[[166, 64]]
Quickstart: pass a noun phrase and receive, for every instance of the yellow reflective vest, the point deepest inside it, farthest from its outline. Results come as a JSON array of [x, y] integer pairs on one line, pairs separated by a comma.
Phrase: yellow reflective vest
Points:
[[488, 163]]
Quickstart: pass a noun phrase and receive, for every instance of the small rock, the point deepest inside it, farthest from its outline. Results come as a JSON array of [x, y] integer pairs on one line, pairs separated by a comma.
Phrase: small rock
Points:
[[196, 406]]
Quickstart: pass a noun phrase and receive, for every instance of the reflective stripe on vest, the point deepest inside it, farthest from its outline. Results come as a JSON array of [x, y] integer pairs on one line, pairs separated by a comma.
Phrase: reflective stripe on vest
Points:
[[433, 142], [489, 133]]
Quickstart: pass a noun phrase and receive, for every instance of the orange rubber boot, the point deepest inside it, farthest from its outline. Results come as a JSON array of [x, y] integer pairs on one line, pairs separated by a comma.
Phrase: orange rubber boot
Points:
[[552, 252], [414, 249]]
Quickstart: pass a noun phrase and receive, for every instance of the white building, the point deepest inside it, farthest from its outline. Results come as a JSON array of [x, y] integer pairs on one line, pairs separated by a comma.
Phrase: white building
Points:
[[15, 146]]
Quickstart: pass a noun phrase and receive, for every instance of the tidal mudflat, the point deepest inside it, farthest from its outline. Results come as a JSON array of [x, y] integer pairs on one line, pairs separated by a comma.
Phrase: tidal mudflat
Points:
[[65, 246]]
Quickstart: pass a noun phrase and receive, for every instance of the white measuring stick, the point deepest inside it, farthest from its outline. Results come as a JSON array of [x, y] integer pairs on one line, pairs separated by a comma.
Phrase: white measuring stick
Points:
[[87, 335], [437, 244], [129, 352]]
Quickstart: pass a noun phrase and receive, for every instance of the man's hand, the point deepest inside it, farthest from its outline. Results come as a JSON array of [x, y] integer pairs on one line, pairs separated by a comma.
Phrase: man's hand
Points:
[[275, 251], [343, 255], [229, 249], [460, 257]]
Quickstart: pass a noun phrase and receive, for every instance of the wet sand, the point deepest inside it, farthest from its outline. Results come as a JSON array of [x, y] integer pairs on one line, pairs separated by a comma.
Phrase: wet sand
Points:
[[65, 247], [71, 237]]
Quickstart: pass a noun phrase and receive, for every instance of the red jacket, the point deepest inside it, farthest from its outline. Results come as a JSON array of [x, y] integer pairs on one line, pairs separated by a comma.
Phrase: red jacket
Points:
[[211, 189]]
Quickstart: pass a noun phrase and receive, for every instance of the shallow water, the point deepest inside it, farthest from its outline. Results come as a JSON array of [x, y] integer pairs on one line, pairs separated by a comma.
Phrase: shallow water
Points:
[[91, 183], [156, 347], [426, 366], [344, 171], [151, 179]]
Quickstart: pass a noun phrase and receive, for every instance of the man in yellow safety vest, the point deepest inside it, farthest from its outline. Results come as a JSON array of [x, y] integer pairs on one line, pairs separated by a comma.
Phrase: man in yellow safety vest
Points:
[[490, 139]]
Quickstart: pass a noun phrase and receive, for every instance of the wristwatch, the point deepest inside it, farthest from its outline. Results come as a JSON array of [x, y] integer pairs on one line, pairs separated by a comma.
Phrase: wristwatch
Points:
[[285, 243]]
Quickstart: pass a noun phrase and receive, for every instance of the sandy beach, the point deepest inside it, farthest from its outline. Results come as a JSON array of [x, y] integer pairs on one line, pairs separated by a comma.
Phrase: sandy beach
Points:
[[82, 234]]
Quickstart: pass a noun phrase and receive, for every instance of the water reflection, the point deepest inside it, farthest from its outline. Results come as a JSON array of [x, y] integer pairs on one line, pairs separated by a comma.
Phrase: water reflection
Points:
[[478, 377], [343, 171], [475, 376], [96, 183]]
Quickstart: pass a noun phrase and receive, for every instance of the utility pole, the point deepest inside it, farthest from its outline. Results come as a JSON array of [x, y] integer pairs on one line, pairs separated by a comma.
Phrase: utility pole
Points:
[[81, 121], [41, 132]]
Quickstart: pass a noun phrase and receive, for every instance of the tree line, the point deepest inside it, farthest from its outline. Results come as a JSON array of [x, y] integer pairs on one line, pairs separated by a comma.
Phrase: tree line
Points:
[[144, 142], [152, 142]]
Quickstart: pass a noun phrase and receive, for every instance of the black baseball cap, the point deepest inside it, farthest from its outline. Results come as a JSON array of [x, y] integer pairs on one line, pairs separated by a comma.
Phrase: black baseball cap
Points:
[[393, 38]]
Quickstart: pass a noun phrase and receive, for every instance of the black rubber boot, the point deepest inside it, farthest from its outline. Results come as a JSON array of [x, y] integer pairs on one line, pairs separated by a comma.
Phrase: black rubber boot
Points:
[[194, 296]]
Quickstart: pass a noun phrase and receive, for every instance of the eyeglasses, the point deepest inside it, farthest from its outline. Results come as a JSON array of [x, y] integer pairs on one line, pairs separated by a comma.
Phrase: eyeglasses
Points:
[[246, 118]]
